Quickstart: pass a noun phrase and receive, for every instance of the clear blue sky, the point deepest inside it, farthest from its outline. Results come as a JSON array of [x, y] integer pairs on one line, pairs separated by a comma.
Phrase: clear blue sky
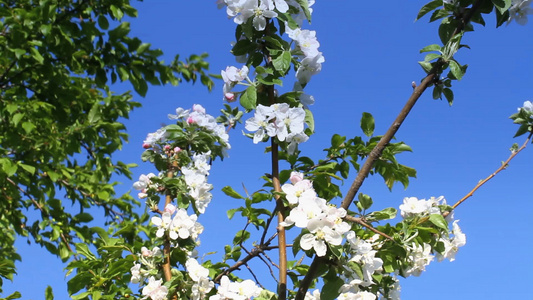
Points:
[[371, 56]]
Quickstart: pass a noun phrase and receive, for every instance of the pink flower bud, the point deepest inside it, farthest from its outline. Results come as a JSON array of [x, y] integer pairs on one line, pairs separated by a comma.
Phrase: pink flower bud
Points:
[[167, 147], [296, 177], [190, 120], [170, 208], [147, 146], [177, 150], [146, 252], [230, 97]]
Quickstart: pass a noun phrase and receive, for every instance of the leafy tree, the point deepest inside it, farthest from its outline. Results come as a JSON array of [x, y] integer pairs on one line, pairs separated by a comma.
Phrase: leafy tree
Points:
[[347, 251], [60, 122]]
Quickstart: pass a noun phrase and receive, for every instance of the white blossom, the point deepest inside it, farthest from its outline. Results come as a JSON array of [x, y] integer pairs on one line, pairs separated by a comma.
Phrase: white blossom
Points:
[[162, 223], [155, 290], [519, 11], [321, 232]]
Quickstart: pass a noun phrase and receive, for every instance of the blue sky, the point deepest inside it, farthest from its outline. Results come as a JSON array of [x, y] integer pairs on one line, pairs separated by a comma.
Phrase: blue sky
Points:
[[371, 56]]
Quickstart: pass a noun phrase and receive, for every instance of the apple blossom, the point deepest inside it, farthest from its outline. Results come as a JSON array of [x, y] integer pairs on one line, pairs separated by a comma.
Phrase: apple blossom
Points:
[[155, 290], [162, 223], [519, 10]]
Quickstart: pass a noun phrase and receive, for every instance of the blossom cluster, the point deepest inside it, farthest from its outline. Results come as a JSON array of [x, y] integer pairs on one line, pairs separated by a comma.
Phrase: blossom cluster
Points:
[[200, 276], [180, 226], [308, 211], [236, 290], [420, 255], [144, 184], [281, 121], [145, 269], [199, 117], [195, 175]]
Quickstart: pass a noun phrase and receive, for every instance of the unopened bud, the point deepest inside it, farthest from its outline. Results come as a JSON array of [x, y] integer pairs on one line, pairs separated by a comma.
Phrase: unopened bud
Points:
[[230, 97]]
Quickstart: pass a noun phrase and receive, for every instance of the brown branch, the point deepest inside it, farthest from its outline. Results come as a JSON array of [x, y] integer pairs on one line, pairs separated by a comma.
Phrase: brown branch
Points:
[[502, 167], [255, 252], [166, 247], [282, 242], [366, 225], [35, 203]]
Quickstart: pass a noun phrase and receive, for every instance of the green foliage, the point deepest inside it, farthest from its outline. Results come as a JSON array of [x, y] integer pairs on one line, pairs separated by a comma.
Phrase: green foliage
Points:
[[60, 121]]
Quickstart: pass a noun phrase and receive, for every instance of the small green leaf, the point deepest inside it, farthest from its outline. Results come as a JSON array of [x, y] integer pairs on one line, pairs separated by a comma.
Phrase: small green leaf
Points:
[[430, 48], [117, 12], [27, 168], [438, 220], [36, 55], [456, 70], [310, 120], [248, 99], [143, 47], [448, 93], [228, 190], [365, 201], [28, 127], [367, 124], [16, 118], [428, 7], [48, 293], [103, 22], [282, 62], [15, 295], [502, 5]]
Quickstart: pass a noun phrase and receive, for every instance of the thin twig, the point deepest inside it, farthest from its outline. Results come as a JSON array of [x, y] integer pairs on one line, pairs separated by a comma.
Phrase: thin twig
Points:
[[502, 167], [366, 225], [268, 266], [255, 277]]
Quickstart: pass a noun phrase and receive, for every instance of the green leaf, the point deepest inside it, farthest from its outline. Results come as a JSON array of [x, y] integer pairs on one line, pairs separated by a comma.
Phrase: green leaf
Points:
[[230, 213], [448, 93], [367, 124], [523, 129], [456, 70], [331, 288], [384, 214], [8, 167], [365, 201], [36, 55], [427, 66], [337, 140], [28, 127], [438, 220], [228, 190], [16, 118], [428, 7], [248, 99], [143, 47], [282, 62], [117, 12], [103, 22], [15, 295], [502, 5], [433, 47], [27, 168], [304, 4], [310, 120]]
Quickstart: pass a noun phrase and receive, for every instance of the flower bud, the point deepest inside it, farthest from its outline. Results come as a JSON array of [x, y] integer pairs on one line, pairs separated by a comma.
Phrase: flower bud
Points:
[[230, 97]]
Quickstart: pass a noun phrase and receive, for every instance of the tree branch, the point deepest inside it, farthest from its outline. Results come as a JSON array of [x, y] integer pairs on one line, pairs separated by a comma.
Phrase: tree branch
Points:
[[366, 225], [502, 167], [378, 149]]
